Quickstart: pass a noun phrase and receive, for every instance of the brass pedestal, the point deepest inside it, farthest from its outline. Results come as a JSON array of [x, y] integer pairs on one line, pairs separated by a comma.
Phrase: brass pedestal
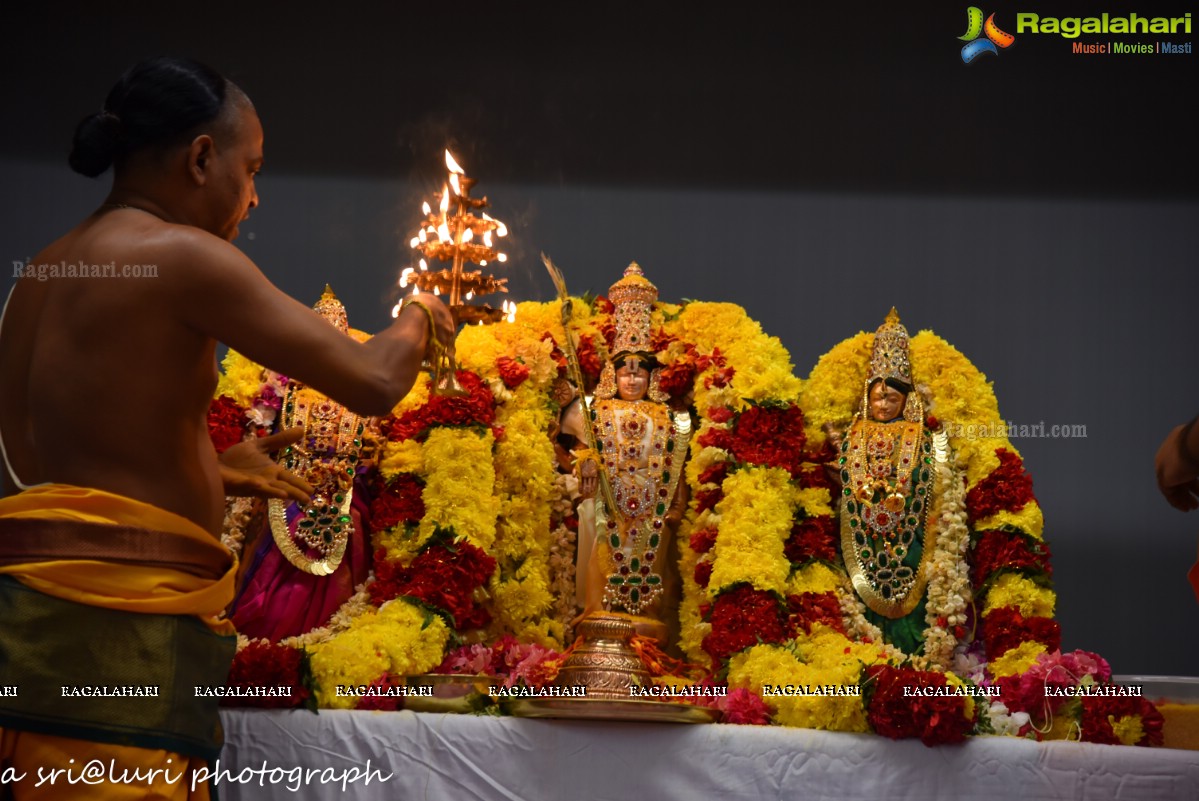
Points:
[[605, 662]]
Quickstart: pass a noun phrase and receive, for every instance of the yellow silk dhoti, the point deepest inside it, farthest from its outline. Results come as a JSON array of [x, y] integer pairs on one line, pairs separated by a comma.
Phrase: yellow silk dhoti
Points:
[[44, 752]]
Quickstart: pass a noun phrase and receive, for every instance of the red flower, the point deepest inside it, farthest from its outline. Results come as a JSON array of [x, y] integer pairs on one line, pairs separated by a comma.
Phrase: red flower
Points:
[[770, 436], [743, 617], [264, 664], [898, 707], [720, 414], [707, 499], [677, 379], [226, 423], [1005, 549], [715, 359], [703, 572], [1008, 488], [556, 353], [603, 305], [814, 607], [716, 438], [660, 340], [443, 576], [812, 538], [703, 540], [810, 476], [1098, 713], [720, 377], [715, 473], [477, 407], [383, 702], [399, 502], [1005, 628], [589, 359], [607, 330], [513, 372]]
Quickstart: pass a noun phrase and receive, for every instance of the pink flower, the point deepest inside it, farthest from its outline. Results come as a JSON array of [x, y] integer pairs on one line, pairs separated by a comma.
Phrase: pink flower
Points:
[[742, 706]]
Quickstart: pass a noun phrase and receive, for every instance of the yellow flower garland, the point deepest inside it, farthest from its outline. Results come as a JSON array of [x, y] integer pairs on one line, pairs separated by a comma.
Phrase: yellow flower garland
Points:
[[459, 485], [1012, 589], [1016, 660], [756, 515], [398, 639]]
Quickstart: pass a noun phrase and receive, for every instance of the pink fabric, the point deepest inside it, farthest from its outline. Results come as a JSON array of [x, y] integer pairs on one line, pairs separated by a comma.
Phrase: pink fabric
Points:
[[279, 600]]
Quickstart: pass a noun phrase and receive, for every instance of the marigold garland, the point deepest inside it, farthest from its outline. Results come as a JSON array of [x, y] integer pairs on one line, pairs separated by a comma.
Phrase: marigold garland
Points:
[[764, 592]]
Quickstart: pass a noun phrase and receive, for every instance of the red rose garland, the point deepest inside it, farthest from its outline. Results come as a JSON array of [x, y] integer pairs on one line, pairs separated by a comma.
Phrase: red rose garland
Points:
[[441, 576], [399, 502], [769, 436], [1005, 628], [1099, 712], [898, 708], [477, 407], [814, 607], [1007, 489], [996, 550], [743, 617], [263, 664], [812, 538]]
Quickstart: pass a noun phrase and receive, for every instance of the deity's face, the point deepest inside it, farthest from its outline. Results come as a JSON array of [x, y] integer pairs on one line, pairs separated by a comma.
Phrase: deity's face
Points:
[[632, 379], [886, 402]]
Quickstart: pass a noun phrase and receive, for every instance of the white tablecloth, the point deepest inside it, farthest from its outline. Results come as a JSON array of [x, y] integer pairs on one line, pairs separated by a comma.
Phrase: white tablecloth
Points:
[[463, 757]]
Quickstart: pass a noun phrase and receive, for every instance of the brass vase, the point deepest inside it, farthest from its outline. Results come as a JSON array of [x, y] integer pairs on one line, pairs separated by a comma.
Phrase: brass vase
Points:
[[605, 662]]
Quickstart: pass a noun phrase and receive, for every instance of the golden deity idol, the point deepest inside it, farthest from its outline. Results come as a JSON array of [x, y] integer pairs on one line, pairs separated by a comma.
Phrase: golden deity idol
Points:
[[626, 532]]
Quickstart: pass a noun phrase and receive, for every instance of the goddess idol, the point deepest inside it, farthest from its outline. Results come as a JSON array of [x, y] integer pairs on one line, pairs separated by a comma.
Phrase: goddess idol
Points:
[[625, 543], [896, 474], [315, 555]]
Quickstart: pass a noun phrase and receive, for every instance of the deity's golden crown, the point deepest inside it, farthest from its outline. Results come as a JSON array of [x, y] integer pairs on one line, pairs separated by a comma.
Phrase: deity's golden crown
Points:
[[332, 309], [632, 297], [890, 358]]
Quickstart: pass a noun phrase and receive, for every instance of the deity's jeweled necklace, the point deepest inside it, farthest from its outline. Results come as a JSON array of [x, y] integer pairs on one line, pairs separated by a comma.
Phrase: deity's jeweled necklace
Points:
[[635, 527], [886, 475], [326, 457]]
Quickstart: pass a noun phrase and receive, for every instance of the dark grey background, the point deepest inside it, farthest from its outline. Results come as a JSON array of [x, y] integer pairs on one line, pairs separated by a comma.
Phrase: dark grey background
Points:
[[1037, 209]]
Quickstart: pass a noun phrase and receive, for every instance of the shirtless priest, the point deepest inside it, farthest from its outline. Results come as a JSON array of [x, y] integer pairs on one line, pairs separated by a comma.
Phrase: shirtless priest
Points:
[[112, 576]]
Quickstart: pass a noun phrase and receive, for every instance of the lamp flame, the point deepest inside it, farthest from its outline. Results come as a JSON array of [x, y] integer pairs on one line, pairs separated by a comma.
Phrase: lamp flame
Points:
[[500, 228], [424, 206], [404, 276], [445, 199], [501, 257], [454, 184], [452, 165]]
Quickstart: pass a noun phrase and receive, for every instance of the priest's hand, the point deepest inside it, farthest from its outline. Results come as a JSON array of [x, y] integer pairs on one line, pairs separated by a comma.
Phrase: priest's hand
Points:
[[247, 469]]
